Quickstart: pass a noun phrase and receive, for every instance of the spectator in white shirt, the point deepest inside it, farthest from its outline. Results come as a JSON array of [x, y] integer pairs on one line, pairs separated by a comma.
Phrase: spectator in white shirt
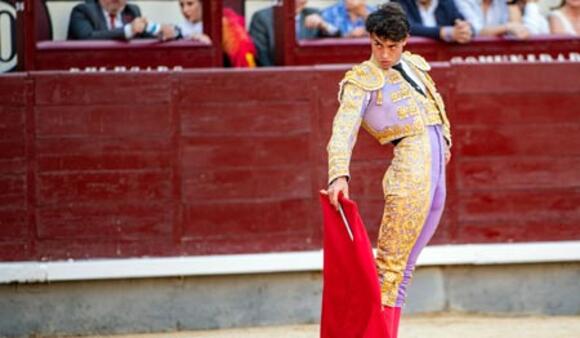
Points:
[[192, 25], [566, 18], [437, 19], [528, 13], [491, 18]]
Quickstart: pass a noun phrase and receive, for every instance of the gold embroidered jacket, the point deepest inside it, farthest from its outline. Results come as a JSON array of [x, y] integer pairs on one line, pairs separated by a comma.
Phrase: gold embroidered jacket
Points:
[[386, 106]]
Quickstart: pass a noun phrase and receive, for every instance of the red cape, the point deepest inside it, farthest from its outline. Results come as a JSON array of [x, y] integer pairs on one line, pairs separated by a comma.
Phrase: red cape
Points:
[[351, 297]]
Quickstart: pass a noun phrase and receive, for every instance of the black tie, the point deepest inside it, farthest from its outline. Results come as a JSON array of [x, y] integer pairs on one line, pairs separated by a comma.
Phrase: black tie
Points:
[[399, 67]]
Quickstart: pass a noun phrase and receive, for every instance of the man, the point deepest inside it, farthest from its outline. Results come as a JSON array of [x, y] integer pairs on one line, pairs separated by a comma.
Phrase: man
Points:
[[491, 18], [348, 16], [114, 19], [309, 25], [395, 100], [437, 19]]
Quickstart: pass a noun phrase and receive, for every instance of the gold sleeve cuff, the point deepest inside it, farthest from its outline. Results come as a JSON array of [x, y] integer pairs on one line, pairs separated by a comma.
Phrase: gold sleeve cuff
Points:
[[344, 131]]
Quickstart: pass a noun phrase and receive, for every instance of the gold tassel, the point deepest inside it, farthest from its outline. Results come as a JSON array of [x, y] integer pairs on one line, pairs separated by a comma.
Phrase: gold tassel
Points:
[[380, 97]]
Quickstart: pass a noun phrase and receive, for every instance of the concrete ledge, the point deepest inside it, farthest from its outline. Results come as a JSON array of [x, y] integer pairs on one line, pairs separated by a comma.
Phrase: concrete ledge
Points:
[[206, 302], [464, 254]]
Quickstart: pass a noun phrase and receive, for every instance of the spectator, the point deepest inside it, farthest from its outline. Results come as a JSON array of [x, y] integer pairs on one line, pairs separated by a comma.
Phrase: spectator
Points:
[[437, 19], [192, 25], [349, 17], [528, 13], [566, 18], [309, 25], [112, 19], [236, 42], [491, 18]]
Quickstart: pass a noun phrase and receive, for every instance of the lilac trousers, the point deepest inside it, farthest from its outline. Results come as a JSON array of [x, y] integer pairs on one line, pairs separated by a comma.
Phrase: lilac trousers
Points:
[[414, 188]]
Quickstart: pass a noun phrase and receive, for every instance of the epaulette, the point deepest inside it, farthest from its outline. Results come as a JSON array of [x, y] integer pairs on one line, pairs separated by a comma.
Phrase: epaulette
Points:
[[417, 61], [366, 76]]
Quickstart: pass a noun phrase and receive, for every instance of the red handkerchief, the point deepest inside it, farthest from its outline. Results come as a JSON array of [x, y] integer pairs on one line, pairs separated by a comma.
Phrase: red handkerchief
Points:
[[351, 297]]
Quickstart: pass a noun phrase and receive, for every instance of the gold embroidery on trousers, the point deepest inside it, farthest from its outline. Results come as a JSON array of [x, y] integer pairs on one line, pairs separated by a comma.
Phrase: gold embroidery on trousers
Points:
[[406, 186]]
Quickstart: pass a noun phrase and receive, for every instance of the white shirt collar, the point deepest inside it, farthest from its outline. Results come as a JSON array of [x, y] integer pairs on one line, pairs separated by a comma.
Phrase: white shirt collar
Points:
[[428, 14], [118, 18]]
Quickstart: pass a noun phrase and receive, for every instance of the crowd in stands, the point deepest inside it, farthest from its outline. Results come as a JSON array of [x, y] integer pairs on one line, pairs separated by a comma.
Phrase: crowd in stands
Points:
[[453, 21]]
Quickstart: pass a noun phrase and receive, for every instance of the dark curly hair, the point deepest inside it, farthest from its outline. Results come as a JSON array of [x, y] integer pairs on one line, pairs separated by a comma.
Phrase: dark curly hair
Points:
[[388, 22]]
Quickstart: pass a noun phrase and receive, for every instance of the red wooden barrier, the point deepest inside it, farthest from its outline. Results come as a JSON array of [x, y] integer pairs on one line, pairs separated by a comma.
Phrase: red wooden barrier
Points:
[[216, 161], [15, 112], [64, 55]]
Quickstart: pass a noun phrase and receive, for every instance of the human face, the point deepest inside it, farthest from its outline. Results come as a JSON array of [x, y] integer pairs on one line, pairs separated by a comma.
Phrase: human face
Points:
[[191, 10], [572, 3], [113, 6], [386, 52], [353, 4]]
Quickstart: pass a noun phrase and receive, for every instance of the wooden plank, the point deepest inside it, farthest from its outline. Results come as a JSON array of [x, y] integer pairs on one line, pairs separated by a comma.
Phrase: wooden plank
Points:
[[525, 140], [12, 157], [500, 109], [103, 120], [12, 123], [245, 219], [14, 89], [245, 118], [239, 86], [59, 88], [529, 204], [277, 183], [519, 173], [97, 146], [75, 162], [50, 56], [12, 223], [517, 78], [117, 220], [59, 249], [206, 153], [12, 165], [271, 242], [11, 186], [15, 250], [524, 230], [99, 187]]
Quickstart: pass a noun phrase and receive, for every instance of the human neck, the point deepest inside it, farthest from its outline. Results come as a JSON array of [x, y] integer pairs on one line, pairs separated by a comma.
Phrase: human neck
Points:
[[425, 3], [573, 12]]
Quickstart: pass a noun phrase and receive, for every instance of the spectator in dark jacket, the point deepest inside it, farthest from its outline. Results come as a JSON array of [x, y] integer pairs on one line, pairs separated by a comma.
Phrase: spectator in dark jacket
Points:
[[437, 19], [113, 19], [309, 25]]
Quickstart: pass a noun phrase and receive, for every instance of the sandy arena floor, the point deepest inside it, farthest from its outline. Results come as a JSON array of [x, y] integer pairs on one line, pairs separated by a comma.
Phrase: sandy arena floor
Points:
[[423, 326]]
